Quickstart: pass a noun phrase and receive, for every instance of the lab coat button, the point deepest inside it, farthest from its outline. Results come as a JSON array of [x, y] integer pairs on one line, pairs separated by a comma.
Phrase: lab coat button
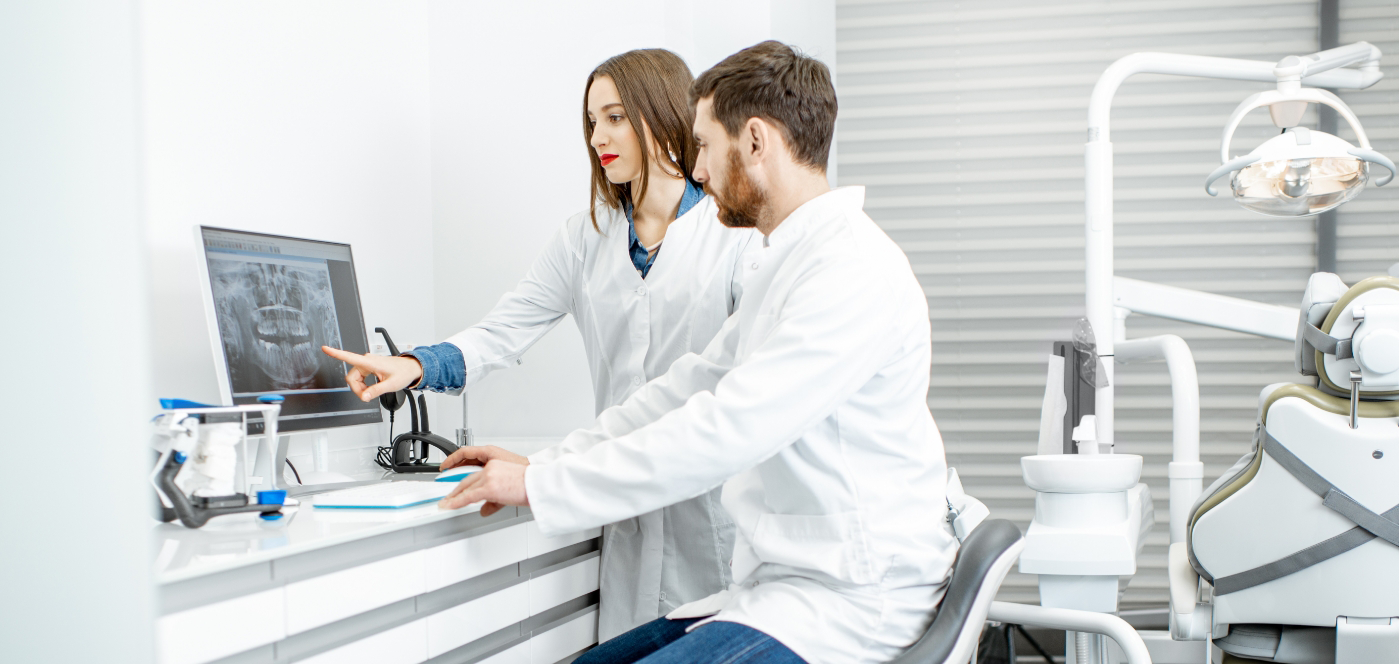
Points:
[[754, 266], [641, 291], [636, 380]]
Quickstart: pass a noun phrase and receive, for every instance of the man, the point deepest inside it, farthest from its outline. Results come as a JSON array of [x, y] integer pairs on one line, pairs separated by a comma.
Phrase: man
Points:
[[809, 407]]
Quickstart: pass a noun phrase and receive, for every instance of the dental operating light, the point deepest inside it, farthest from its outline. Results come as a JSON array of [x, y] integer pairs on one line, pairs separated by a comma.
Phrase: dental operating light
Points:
[[1302, 171]]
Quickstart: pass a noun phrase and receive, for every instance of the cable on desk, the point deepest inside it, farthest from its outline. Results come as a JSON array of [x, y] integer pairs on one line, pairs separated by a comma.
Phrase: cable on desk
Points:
[[293, 472], [384, 455]]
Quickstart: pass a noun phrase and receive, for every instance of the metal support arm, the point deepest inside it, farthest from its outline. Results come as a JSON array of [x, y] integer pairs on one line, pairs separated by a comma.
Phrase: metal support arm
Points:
[[1071, 620]]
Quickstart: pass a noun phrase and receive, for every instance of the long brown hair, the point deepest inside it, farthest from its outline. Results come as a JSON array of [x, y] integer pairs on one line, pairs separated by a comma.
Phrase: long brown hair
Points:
[[654, 85]]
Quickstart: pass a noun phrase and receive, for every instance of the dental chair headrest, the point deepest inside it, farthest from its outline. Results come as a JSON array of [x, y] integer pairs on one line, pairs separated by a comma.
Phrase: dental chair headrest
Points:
[[1341, 330]]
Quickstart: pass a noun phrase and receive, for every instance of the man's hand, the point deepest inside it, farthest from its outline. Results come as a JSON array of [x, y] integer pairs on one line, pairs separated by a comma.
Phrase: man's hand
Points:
[[499, 483], [480, 455], [394, 373]]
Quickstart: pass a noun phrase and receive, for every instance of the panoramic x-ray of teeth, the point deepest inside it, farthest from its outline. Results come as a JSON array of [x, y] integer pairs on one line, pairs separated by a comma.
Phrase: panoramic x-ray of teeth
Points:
[[274, 319]]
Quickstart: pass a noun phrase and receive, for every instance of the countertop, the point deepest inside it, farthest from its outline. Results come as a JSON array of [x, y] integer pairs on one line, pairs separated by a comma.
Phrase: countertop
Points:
[[237, 540]]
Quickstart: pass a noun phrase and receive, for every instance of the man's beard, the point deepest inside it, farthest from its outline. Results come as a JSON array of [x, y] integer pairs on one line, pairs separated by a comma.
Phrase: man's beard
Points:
[[742, 204]]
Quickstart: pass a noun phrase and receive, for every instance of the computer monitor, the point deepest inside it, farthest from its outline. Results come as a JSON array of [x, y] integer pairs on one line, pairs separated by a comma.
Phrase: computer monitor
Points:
[[272, 302]]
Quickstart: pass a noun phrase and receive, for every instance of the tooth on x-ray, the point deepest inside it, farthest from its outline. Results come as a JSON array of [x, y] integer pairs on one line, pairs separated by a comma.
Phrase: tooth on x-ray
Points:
[[274, 318]]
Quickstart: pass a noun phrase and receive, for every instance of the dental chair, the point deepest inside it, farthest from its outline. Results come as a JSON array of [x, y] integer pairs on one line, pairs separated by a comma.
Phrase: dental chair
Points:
[[983, 561], [1293, 554]]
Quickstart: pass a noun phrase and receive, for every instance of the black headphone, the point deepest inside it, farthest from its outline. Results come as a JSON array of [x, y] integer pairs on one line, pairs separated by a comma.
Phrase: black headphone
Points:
[[392, 400], [408, 452]]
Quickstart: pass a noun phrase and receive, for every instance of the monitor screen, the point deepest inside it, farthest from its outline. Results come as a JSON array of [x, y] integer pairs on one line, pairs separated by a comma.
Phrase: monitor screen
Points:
[[273, 302]]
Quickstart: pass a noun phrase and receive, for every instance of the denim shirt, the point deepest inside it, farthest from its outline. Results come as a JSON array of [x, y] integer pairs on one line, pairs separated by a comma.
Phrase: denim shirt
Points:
[[642, 258], [444, 366]]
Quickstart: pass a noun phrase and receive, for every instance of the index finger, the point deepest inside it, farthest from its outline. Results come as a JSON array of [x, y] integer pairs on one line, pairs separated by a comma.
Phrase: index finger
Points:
[[463, 494], [354, 359], [462, 456], [462, 499], [464, 484]]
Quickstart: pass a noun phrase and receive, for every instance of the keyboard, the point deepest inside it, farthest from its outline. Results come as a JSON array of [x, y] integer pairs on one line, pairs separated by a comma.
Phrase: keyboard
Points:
[[389, 495]]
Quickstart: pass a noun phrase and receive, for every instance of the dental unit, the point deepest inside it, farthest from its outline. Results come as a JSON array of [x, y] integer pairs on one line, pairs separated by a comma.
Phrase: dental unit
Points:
[[1289, 557]]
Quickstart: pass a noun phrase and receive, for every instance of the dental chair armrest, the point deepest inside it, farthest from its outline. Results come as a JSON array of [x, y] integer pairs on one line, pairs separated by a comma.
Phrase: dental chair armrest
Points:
[[1189, 619]]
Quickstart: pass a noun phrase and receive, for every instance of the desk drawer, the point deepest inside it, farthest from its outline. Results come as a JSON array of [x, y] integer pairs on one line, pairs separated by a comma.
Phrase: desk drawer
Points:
[[564, 640], [472, 620], [538, 543], [224, 628], [518, 654], [550, 590], [405, 644], [460, 560], [325, 599]]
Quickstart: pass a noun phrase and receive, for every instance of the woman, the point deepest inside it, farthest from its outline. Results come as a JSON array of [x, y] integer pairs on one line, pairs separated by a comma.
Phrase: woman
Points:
[[649, 274]]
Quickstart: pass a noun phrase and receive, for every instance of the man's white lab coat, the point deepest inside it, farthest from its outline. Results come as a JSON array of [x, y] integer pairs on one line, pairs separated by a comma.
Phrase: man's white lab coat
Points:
[[633, 329], [810, 408]]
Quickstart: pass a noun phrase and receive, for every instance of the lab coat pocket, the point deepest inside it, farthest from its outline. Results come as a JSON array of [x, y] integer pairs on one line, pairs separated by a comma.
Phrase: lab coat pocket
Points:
[[832, 544]]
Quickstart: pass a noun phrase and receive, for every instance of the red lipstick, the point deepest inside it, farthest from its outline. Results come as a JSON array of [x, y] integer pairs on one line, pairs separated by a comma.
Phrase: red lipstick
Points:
[[607, 159]]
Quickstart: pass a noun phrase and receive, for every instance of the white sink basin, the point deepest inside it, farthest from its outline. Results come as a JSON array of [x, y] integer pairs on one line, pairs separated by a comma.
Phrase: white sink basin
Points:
[[1081, 473]]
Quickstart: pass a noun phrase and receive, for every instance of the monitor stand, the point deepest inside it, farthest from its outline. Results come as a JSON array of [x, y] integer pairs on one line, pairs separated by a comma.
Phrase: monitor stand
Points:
[[271, 466]]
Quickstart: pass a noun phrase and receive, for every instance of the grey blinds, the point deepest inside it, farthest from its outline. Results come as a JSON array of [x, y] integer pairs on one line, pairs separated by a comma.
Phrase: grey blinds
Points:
[[966, 122], [1367, 228]]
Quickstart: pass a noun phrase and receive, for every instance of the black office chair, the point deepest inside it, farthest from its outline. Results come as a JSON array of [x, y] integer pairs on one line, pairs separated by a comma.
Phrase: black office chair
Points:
[[982, 563]]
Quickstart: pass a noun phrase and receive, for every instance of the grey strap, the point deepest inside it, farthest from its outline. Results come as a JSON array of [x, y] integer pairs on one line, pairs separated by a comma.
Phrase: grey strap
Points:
[[1370, 526], [1312, 555], [1377, 524], [1296, 467], [1331, 496], [1325, 342]]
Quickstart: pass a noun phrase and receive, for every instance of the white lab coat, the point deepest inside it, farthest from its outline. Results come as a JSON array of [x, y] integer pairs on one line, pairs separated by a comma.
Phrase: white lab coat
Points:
[[810, 408], [633, 329]]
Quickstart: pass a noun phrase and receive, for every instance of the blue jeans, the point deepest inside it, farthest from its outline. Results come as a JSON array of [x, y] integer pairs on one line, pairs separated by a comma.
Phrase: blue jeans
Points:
[[664, 641]]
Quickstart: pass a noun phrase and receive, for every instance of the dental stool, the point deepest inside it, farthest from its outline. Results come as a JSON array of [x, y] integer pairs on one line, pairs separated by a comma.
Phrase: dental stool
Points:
[[1293, 555], [983, 561]]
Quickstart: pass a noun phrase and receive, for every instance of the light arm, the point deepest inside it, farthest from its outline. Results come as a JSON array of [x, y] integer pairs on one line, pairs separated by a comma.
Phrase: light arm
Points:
[[1192, 306]]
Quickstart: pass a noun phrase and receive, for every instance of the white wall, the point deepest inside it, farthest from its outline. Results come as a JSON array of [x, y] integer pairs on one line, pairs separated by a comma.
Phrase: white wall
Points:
[[423, 134], [510, 162], [509, 166], [75, 582], [308, 119]]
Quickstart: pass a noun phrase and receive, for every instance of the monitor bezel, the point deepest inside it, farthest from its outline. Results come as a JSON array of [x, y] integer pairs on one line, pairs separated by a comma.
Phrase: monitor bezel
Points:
[[212, 324]]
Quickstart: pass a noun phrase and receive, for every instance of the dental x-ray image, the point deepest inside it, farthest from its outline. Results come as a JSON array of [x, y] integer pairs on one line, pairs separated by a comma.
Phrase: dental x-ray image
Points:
[[273, 319]]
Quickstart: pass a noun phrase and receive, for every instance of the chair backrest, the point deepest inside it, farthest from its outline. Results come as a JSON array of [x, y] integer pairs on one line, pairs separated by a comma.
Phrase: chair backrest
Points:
[[982, 563], [1304, 515], [1342, 329]]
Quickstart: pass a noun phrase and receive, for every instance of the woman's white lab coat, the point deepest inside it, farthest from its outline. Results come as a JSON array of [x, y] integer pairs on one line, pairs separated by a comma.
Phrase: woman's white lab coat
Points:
[[633, 329]]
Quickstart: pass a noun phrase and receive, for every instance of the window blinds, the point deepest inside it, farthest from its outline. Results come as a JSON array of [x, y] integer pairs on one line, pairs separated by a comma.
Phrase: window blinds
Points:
[[966, 123], [1367, 229]]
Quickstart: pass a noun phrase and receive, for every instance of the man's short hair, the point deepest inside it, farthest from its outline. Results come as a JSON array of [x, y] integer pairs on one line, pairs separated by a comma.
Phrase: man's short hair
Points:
[[774, 82]]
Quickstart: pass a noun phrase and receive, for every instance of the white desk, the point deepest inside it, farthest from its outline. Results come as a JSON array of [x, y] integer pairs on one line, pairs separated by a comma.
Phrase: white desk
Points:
[[388, 587]]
